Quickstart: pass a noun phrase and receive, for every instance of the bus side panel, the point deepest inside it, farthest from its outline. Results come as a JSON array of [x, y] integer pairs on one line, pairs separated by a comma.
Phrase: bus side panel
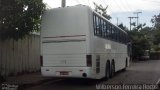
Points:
[[106, 49]]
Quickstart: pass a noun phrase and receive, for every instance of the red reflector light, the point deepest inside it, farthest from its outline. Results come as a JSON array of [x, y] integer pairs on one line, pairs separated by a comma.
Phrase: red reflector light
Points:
[[89, 60], [41, 60]]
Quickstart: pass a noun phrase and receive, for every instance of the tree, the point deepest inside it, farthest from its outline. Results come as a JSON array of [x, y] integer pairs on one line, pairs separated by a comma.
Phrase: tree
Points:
[[156, 21], [156, 32], [103, 11], [123, 27], [19, 18], [145, 38], [140, 38]]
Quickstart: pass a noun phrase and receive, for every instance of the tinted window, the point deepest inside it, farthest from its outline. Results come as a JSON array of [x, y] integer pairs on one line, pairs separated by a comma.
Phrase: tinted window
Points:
[[104, 29]]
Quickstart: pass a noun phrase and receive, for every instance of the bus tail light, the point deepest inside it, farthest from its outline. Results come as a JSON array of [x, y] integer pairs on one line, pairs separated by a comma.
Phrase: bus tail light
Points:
[[41, 60], [89, 60]]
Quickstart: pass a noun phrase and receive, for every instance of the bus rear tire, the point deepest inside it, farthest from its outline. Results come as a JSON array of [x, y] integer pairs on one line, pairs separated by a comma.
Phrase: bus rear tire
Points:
[[112, 73], [126, 65], [107, 71]]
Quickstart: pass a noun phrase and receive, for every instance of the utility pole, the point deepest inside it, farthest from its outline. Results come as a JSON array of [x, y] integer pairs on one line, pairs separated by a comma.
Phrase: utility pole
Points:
[[130, 18], [63, 4], [137, 16]]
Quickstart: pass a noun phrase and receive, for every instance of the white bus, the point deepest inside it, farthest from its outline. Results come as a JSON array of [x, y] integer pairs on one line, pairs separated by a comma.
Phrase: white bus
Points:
[[80, 43]]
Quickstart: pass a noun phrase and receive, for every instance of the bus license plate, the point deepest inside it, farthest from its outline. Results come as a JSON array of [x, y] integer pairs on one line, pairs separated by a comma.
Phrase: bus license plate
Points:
[[64, 73]]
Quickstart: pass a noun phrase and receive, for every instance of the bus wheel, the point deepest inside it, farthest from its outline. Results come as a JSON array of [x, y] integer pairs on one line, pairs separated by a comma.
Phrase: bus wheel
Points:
[[126, 62], [112, 69], [126, 65], [107, 72]]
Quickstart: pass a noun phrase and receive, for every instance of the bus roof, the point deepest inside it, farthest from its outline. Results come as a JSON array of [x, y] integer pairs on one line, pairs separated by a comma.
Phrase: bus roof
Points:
[[87, 7]]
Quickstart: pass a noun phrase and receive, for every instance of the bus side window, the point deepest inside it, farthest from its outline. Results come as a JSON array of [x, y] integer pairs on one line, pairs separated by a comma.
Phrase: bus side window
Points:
[[97, 26], [104, 29], [100, 25], [108, 30], [94, 24], [118, 36], [110, 35], [113, 33]]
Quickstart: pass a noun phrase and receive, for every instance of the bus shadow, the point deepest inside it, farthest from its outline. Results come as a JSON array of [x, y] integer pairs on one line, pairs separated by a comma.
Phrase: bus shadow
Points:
[[86, 82], [119, 72]]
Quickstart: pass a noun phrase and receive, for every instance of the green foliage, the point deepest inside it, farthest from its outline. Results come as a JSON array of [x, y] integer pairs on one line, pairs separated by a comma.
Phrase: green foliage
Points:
[[156, 21], [103, 11], [157, 37], [156, 32], [140, 39], [144, 38], [123, 27], [19, 18]]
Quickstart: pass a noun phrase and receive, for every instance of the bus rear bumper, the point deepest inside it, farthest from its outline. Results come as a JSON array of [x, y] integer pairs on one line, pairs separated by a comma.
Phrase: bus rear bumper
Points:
[[64, 72]]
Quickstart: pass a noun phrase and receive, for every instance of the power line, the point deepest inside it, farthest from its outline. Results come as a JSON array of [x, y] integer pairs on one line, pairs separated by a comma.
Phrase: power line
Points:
[[128, 5], [85, 2], [117, 5], [155, 3], [104, 3], [123, 5], [130, 18], [89, 3], [137, 17], [115, 15], [111, 9], [152, 1], [145, 19], [78, 1]]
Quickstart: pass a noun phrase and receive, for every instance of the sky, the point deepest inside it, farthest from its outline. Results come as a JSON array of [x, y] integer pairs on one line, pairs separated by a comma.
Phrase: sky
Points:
[[119, 9]]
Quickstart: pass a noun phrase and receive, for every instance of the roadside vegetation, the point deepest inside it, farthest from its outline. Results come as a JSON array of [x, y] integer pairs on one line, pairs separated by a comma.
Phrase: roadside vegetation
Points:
[[144, 38], [19, 18]]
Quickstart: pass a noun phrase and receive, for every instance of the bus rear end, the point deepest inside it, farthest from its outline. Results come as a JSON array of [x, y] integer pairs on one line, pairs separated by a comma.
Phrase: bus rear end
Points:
[[64, 42]]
